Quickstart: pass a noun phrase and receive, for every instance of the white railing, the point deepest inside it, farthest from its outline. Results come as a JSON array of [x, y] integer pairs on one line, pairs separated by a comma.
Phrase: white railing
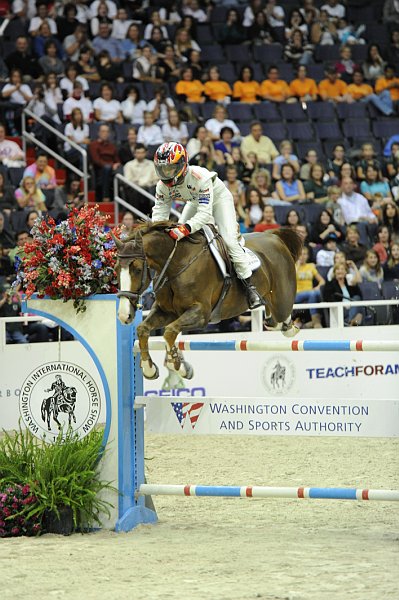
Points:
[[30, 137]]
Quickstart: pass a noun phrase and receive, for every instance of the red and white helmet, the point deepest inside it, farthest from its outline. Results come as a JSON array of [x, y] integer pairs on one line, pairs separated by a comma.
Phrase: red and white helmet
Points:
[[171, 162]]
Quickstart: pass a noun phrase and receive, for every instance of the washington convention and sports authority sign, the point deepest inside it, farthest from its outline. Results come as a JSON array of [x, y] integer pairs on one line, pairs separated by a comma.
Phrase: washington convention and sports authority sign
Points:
[[59, 395]]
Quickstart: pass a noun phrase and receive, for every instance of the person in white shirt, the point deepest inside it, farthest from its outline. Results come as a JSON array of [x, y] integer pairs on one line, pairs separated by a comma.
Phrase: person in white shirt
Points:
[[112, 8], [77, 100], [42, 16], [219, 120], [275, 14], [334, 10], [132, 107], [25, 9], [174, 129], [106, 109], [206, 199], [160, 105], [354, 206], [155, 22], [325, 256], [11, 154], [149, 134], [140, 171], [121, 25], [250, 11], [16, 91], [192, 8], [75, 42], [71, 76], [77, 131]]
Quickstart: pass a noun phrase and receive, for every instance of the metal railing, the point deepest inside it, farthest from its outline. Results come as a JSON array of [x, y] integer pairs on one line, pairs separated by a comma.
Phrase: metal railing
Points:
[[30, 137], [119, 182]]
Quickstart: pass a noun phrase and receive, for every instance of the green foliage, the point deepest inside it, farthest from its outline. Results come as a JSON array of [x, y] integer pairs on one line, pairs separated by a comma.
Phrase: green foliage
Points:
[[65, 473]]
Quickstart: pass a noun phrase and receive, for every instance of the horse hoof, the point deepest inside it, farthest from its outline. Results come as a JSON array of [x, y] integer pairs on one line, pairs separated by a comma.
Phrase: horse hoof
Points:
[[189, 371], [291, 332], [154, 375]]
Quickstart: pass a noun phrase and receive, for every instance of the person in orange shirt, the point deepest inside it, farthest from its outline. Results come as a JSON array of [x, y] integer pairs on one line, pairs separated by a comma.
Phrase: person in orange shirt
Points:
[[273, 88], [246, 89], [386, 91], [215, 89], [190, 89], [304, 88], [358, 89], [332, 88]]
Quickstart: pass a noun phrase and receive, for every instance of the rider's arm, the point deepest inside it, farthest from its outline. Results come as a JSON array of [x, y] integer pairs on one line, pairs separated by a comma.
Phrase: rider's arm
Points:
[[204, 212], [162, 206]]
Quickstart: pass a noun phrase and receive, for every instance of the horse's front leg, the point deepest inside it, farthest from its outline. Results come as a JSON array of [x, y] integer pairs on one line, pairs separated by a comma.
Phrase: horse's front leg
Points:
[[193, 318], [155, 319]]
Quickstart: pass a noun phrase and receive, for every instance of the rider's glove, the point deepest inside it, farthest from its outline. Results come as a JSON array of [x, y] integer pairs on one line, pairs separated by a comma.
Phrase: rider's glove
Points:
[[179, 232]]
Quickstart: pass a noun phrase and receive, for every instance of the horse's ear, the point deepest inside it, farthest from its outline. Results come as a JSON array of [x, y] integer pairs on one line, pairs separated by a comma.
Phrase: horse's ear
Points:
[[118, 243]]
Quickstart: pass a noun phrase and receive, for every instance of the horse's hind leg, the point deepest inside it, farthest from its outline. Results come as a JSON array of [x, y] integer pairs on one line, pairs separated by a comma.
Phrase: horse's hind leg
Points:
[[156, 319], [193, 318]]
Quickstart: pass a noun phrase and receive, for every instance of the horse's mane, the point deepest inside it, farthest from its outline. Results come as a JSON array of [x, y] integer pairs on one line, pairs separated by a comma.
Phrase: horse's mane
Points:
[[148, 226]]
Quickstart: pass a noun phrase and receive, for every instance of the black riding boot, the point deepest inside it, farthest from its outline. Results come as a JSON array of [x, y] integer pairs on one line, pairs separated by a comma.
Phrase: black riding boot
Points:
[[254, 299]]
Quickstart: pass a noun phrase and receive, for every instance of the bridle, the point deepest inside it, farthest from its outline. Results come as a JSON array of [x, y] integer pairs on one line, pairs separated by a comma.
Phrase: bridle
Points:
[[134, 297]]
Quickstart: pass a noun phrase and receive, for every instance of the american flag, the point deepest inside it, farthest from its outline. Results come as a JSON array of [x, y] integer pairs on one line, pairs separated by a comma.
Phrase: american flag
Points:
[[192, 409]]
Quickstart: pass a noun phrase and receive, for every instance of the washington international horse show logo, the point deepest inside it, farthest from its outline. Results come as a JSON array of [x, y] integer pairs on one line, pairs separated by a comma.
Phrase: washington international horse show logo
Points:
[[278, 375], [59, 395]]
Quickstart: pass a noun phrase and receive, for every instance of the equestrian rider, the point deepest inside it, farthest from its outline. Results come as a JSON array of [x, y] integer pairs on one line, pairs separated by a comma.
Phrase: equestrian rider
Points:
[[207, 200], [58, 387]]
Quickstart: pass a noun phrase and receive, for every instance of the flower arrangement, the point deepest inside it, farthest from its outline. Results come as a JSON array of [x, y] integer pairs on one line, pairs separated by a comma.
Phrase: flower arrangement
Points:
[[15, 499], [69, 260]]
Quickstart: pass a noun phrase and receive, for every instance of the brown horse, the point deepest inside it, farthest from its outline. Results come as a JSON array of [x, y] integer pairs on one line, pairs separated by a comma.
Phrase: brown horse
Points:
[[191, 285]]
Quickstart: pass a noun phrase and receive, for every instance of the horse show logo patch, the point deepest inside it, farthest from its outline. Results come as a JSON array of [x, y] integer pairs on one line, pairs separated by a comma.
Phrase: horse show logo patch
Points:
[[59, 395], [278, 375]]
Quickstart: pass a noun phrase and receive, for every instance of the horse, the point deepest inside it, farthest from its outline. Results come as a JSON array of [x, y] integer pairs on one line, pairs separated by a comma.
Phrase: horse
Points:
[[53, 406], [189, 284]]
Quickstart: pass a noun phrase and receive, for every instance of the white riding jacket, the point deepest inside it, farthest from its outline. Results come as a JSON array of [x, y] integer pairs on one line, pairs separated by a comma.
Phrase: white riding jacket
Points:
[[201, 191]]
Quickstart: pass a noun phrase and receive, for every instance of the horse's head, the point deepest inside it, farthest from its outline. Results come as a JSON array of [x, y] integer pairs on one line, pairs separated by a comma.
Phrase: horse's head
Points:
[[133, 275]]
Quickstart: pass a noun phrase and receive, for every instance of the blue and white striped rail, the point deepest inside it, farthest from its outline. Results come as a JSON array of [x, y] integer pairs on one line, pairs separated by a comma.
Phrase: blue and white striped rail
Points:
[[225, 491], [280, 346]]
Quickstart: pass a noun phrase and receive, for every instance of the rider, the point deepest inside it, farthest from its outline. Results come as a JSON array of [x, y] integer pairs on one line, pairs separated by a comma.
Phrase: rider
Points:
[[58, 387], [207, 201]]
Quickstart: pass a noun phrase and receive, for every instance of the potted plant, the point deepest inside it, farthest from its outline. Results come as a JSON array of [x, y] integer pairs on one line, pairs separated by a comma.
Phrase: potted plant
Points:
[[63, 477]]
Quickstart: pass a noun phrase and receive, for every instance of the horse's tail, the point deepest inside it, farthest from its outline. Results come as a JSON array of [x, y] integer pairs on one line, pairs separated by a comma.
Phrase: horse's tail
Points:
[[291, 239]]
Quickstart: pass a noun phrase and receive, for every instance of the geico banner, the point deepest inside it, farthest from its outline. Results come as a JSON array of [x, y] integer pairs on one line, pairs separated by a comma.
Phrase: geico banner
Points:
[[48, 386], [286, 416]]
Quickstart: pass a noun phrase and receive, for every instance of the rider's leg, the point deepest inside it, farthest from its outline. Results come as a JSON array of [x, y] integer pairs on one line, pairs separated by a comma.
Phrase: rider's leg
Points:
[[225, 218]]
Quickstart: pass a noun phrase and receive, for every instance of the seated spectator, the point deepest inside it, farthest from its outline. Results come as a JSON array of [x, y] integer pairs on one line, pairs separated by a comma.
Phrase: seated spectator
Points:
[[325, 256], [292, 219], [367, 159], [10, 306], [273, 88], [289, 188], [234, 185], [108, 70], [353, 276], [323, 31], [104, 41], [78, 100], [184, 43], [371, 269], [345, 66], [245, 166], [149, 133], [261, 145], [386, 91], [140, 171], [146, 67], [128, 224], [112, 8], [347, 170], [352, 247], [311, 158], [307, 293], [232, 32], [155, 21], [127, 149], [28, 196], [160, 105], [106, 108], [296, 22], [303, 87], [102, 16], [195, 143], [67, 197], [246, 89], [86, 65], [253, 207], [189, 89], [219, 121], [347, 34], [67, 83], [75, 42], [260, 31], [335, 163], [105, 159], [354, 206], [174, 129], [42, 16], [77, 131], [192, 9], [374, 65], [7, 239], [359, 90], [298, 51], [133, 43], [315, 187], [309, 11], [195, 64], [67, 21], [390, 218], [275, 17], [391, 267], [170, 64], [18, 93], [375, 189], [303, 233], [323, 227], [286, 156], [11, 154], [250, 11], [50, 62], [7, 198], [333, 194], [261, 181], [225, 145], [338, 290], [205, 158], [383, 244], [268, 220], [132, 107], [44, 37], [392, 52], [189, 24], [42, 173], [334, 10], [332, 88], [215, 89], [23, 60]]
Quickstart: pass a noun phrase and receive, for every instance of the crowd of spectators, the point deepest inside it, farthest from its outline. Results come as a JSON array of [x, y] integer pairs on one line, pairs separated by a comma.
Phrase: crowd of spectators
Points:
[[294, 105]]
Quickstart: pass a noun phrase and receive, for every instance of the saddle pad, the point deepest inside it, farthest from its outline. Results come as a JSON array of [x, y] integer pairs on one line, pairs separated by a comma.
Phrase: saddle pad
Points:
[[210, 236]]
